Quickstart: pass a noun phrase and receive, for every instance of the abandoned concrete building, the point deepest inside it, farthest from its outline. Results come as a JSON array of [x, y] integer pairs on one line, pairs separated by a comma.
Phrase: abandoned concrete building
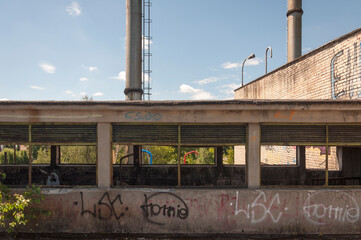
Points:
[[295, 134]]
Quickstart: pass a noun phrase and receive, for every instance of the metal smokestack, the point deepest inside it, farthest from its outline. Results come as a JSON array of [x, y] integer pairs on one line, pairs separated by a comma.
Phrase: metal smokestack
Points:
[[294, 29], [133, 52]]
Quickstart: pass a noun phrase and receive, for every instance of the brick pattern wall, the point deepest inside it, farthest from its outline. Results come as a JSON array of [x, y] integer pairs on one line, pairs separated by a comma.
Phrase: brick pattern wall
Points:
[[316, 158], [332, 71], [286, 155]]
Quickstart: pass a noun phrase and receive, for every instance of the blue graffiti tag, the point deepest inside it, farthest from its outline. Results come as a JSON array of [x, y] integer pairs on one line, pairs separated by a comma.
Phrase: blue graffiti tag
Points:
[[139, 116], [334, 78]]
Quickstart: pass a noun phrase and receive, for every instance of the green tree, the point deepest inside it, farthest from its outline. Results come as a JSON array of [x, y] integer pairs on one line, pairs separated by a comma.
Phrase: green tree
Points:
[[21, 156], [78, 154], [205, 155], [162, 154], [41, 155], [228, 155], [17, 209]]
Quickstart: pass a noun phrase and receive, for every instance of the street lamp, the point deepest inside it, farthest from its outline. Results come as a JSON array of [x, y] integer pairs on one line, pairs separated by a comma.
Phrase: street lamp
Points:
[[269, 56], [249, 57]]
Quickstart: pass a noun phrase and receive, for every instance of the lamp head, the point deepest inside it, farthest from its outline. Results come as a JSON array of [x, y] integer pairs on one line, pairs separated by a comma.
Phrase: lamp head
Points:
[[251, 56]]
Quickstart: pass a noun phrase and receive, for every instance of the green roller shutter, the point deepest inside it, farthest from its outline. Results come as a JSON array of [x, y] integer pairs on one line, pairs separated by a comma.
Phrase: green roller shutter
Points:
[[18, 134], [213, 134], [344, 134], [61, 134], [293, 134], [145, 134]]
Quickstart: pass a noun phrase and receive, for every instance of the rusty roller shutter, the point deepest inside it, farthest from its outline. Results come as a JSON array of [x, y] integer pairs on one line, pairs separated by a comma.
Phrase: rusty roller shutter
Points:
[[145, 134], [72, 134], [14, 134], [344, 134], [293, 134], [213, 134]]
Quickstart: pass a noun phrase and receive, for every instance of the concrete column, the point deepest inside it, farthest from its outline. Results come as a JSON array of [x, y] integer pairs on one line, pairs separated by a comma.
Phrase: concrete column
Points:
[[253, 163], [301, 156], [104, 157], [133, 52], [294, 29]]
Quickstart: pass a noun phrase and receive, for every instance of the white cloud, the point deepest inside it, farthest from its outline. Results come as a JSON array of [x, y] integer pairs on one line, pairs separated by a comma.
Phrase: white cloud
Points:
[[121, 76], [229, 65], [4, 99], [83, 93], [196, 94], [147, 78], [253, 62], [97, 94], [306, 50], [83, 79], [47, 68], [71, 93], [74, 9], [37, 88], [91, 69], [208, 80], [250, 62], [146, 42], [229, 88]]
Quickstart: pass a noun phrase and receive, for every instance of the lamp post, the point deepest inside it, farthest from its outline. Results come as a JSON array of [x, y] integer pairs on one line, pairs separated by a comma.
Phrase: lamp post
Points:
[[249, 57], [269, 48]]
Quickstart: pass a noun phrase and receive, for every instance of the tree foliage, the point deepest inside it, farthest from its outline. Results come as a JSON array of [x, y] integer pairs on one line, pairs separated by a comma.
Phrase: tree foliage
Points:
[[17, 209], [21, 156], [78, 154]]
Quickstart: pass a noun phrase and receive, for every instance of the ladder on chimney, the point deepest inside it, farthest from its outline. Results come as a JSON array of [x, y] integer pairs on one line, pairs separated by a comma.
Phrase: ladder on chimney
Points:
[[146, 44]]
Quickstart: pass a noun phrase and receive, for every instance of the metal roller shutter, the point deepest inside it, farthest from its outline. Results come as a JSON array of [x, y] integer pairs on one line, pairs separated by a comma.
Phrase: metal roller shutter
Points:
[[344, 134], [72, 134], [213, 134], [145, 134], [293, 134], [18, 134]]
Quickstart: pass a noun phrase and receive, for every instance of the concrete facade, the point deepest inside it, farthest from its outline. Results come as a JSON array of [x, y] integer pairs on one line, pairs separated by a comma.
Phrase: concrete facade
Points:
[[126, 210], [200, 211], [332, 71]]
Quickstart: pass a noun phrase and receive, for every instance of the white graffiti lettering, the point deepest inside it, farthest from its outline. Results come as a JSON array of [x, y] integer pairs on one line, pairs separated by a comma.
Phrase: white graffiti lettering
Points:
[[258, 210], [321, 214]]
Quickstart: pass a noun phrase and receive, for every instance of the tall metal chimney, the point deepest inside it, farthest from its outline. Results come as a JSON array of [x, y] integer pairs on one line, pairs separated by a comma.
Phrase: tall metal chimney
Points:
[[133, 52], [294, 29]]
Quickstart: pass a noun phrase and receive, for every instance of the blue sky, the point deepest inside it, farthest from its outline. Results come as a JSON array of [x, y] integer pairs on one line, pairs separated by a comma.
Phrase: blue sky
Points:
[[61, 50]]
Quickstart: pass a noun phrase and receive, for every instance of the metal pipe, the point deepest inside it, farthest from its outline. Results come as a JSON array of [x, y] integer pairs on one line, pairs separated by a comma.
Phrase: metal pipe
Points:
[[249, 57], [294, 29], [150, 156], [269, 48], [185, 155], [133, 60]]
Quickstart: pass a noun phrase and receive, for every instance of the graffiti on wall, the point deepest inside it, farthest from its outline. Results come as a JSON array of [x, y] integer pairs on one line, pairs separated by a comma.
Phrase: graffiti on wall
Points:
[[346, 210], [346, 73], [158, 208], [106, 208], [229, 209], [260, 208], [141, 116]]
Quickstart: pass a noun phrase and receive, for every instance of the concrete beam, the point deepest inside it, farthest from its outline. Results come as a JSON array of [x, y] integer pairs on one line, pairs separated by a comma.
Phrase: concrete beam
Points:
[[329, 111], [253, 165], [104, 157]]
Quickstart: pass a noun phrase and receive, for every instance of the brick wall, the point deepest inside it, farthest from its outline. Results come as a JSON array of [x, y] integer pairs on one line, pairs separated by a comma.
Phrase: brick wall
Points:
[[332, 71]]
